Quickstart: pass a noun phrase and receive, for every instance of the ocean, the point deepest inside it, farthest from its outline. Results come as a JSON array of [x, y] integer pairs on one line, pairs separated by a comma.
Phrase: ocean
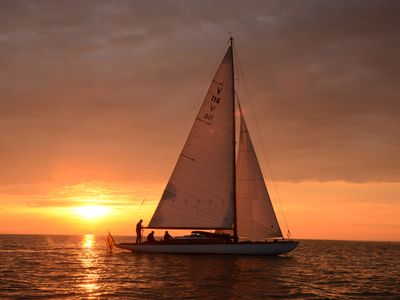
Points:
[[81, 267]]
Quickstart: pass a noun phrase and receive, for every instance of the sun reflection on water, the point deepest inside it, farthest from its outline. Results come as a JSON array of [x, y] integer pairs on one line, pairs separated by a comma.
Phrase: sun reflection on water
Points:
[[88, 241], [90, 274]]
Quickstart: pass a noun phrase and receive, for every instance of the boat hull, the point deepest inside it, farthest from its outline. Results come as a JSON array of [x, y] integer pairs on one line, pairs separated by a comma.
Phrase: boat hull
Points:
[[273, 248]]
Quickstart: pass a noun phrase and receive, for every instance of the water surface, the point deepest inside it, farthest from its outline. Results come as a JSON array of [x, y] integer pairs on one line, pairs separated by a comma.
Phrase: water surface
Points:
[[39, 266]]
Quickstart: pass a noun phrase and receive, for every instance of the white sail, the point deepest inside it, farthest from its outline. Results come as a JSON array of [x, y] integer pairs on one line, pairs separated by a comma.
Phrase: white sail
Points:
[[255, 215], [199, 193]]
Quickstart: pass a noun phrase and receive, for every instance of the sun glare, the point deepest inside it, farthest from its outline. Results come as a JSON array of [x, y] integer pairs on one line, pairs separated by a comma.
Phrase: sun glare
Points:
[[92, 211]]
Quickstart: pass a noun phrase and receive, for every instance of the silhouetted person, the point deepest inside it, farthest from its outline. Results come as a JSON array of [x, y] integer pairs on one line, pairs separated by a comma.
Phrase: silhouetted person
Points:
[[139, 232], [150, 237], [167, 236]]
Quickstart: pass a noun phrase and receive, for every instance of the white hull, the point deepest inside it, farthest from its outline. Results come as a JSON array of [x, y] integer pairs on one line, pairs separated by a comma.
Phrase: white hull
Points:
[[247, 249]]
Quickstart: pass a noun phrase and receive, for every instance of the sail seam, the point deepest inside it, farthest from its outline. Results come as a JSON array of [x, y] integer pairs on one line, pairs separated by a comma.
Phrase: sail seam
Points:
[[188, 157], [220, 83]]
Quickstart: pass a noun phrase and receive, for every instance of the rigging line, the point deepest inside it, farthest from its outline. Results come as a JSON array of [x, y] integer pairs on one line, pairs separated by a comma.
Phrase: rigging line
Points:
[[264, 153], [185, 123], [139, 209]]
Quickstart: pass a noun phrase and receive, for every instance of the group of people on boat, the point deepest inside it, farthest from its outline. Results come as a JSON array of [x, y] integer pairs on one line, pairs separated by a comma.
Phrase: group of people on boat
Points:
[[150, 237]]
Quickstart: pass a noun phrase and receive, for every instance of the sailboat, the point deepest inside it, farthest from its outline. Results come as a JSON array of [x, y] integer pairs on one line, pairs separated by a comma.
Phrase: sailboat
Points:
[[213, 188]]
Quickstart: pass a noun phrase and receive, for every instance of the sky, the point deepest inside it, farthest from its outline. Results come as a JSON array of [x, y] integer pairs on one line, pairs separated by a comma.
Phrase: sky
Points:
[[97, 98]]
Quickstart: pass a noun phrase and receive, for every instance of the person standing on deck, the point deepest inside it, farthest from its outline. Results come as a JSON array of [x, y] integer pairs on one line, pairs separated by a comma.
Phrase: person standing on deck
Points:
[[139, 232]]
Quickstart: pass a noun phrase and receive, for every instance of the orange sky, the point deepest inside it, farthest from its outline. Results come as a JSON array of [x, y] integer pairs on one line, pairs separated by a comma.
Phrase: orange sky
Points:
[[96, 101]]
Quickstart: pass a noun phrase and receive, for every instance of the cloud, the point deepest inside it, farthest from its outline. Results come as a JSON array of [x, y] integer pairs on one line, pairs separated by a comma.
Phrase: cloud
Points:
[[98, 90], [88, 193]]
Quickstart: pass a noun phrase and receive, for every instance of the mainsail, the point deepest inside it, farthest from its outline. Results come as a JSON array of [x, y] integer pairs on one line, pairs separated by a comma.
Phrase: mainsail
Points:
[[200, 191], [255, 215]]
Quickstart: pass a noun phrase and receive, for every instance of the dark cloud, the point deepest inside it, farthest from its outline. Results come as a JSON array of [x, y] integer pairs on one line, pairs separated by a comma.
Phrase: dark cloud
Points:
[[94, 90]]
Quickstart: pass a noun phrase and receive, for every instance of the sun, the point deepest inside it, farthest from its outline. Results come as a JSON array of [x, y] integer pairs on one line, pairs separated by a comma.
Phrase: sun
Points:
[[91, 212]]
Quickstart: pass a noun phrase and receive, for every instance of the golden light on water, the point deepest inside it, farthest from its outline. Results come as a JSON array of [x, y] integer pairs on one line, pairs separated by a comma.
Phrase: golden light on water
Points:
[[92, 211], [89, 262], [88, 241]]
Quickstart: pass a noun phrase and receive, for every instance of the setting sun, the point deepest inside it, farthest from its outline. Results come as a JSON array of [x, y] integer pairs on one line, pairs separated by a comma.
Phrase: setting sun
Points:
[[92, 211]]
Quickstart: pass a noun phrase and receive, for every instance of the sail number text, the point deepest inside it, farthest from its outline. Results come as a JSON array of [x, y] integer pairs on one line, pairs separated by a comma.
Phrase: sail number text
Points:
[[215, 100]]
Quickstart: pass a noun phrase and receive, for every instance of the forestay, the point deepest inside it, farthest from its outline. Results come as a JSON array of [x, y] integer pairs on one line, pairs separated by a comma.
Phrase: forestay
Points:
[[255, 215], [199, 193]]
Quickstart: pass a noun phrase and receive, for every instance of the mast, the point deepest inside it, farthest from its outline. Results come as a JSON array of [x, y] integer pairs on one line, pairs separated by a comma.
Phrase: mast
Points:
[[235, 229]]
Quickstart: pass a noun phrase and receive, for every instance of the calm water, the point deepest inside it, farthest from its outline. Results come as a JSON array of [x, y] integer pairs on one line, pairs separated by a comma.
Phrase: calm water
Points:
[[35, 266]]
